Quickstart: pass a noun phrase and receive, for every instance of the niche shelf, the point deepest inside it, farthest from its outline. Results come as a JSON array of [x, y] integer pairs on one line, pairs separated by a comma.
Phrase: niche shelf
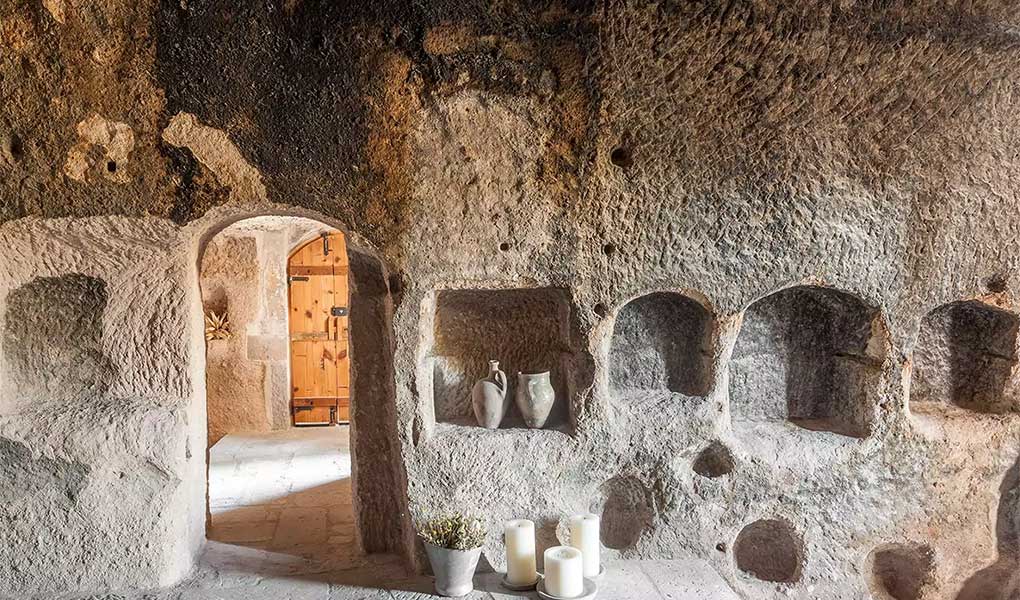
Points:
[[661, 342], [524, 329], [807, 356], [964, 358]]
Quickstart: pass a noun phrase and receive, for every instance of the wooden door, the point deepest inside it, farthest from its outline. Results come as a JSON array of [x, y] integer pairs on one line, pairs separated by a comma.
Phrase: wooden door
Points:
[[319, 361]]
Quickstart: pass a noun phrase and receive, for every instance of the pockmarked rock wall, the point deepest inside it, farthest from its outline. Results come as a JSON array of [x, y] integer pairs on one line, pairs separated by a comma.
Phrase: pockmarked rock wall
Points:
[[102, 425], [820, 196]]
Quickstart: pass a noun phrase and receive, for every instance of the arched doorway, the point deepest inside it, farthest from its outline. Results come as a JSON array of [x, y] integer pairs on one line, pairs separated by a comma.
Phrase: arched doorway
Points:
[[297, 496]]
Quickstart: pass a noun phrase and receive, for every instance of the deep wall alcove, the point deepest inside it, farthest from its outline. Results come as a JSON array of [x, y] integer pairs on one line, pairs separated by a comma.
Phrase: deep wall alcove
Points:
[[661, 341], [805, 355], [524, 329], [965, 354]]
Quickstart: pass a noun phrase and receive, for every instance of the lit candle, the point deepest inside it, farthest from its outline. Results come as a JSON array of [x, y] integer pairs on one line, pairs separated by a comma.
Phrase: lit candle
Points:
[[520, 552], [564, 572], [584, 535]]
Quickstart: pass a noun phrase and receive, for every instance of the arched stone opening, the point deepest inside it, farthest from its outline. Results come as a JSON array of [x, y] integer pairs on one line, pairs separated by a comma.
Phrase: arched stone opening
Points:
[[376, 480], [661, 342], [810, 356], [964, 357]]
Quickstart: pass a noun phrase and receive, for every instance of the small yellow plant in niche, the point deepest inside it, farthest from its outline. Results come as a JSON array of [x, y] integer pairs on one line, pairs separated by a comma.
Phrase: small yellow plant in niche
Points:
[[456, 532], [217, 327]]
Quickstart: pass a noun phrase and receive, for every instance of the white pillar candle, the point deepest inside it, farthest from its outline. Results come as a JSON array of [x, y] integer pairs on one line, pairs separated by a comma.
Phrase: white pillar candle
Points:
[[520, 552], [564, 572], [584, 535]]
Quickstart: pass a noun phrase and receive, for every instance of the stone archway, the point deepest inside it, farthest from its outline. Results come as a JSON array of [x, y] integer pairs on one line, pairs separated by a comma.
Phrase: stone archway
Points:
[[379, 484]]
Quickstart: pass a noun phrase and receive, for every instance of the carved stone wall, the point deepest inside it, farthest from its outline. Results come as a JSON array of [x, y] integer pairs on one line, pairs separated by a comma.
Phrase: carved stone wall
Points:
[[818, 178]]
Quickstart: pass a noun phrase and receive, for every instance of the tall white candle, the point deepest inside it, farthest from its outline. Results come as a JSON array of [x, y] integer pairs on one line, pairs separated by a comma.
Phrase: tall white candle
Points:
[[520, 552], [564, 572], [584, 535]]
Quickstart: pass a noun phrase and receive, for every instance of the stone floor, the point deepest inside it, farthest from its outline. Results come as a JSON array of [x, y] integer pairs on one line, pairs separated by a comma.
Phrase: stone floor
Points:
[[287, 492], [283, 529]]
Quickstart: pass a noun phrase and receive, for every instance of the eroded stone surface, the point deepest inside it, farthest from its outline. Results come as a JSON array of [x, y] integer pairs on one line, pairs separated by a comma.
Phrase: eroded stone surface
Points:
[[735, 150]]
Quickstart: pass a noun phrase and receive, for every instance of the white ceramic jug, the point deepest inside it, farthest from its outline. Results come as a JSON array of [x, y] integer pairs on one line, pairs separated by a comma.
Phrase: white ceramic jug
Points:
[[489, 399], [535, 398]]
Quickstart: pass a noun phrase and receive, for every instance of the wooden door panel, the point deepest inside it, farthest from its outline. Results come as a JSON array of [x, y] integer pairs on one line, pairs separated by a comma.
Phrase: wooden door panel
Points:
[[311, 299], [327, 402], [312, 415], [320, 365], [313, 369]]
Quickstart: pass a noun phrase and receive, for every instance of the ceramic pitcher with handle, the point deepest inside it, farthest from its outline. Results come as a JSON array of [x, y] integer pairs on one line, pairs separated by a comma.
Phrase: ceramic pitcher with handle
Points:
[[535, 398], [489, 399]]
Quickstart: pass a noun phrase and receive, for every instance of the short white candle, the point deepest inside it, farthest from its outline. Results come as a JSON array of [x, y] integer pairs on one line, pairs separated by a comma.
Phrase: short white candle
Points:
[[520, 552], [564, 572], [584, 535]]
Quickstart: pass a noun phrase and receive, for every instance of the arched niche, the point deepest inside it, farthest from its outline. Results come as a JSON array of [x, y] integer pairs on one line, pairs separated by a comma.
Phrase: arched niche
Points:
[[964, 357], [807, 355], [525, 329], [661, 342]]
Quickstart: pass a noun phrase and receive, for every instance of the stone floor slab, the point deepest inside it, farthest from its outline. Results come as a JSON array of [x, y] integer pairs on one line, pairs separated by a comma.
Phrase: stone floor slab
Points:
[[687, 580]]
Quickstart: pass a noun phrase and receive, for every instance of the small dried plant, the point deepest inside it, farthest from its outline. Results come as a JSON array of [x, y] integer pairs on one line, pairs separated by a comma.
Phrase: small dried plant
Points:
[[217, 327], [455, 532]]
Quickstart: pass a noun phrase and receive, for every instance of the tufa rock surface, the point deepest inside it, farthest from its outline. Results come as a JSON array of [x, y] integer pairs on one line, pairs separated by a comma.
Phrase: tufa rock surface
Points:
[[797, 220]]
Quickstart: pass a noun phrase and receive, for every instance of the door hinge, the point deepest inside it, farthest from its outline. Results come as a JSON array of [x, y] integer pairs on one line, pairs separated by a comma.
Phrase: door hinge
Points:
[[338, 311], [296, 278]]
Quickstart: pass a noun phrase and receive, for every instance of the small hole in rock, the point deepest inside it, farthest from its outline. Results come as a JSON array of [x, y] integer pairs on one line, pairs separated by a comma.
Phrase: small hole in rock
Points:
[[609, 249], [900, 572], [503, 247], [621, 157], [714, 461], [721, 546], [111, 166], [769, 550], [601, 309], [13, 147], [996, 283]]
